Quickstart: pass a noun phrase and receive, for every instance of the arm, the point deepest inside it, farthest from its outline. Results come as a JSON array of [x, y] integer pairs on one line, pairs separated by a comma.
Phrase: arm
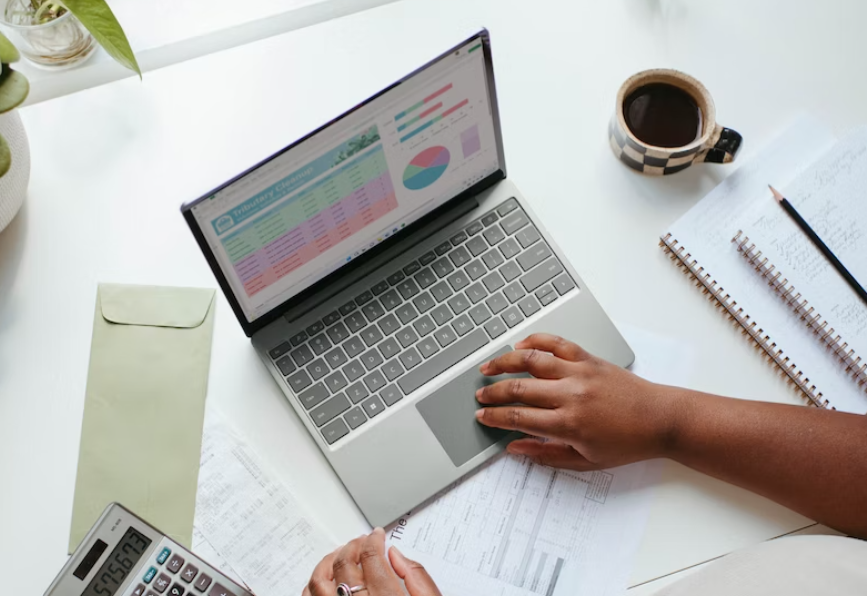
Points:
[[598, 415]]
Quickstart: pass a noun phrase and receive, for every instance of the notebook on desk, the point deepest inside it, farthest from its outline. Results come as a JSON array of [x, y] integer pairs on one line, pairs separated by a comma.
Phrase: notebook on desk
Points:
[[742, 249]]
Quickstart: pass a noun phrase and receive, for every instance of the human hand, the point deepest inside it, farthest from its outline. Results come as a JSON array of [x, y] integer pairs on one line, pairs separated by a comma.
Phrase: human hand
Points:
[[591, 414], [362, 562]]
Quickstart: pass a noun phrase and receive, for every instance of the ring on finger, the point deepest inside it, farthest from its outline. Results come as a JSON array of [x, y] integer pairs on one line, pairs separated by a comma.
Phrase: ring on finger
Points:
[[345, 590]]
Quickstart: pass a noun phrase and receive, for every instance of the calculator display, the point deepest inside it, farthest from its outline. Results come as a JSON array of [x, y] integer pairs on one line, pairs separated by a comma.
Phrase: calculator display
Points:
[[120, 562]]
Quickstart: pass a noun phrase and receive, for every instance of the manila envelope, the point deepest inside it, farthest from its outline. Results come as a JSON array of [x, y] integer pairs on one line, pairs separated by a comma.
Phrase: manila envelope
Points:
[[141, 436]]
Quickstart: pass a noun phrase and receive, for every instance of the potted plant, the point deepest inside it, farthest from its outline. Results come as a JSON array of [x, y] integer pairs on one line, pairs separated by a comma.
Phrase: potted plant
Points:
[[98, 20]]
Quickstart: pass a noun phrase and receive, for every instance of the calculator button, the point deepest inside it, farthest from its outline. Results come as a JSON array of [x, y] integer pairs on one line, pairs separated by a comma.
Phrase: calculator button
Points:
[[175, 563], [203, 582], [151, 593], [219, 590], [164, 555], [139, 590], [189, 573], [162, 583], [150, 575], [177, 590]]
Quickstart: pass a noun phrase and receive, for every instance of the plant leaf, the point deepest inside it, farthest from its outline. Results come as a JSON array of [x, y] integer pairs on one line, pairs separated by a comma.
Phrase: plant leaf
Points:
[[14, 88], [97, 18], [5, 156], [8, 52]]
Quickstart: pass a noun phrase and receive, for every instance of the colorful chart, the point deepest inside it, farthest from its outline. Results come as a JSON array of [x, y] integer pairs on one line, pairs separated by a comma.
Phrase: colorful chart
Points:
[[426, 168]]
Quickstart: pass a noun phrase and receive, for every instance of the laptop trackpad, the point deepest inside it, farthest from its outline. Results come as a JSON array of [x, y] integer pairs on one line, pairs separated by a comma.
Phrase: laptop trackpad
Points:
[[450, 414]]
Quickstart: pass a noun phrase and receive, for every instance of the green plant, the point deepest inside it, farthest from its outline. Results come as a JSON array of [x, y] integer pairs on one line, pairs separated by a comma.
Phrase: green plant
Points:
[[13, 90]]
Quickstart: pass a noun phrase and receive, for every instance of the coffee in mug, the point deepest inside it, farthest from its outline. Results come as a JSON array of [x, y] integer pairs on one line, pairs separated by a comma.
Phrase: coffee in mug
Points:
[[665, 121]]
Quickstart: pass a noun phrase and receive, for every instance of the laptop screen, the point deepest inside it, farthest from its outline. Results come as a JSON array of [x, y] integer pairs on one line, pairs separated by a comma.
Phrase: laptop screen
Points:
[[313, 208]]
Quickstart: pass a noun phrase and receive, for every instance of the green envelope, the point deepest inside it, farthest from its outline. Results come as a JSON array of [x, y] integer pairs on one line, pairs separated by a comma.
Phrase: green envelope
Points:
[[141, 437]]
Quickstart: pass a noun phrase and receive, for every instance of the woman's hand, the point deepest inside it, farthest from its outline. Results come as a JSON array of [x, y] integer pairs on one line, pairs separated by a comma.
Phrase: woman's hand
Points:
[[593, 414], [362, 562]]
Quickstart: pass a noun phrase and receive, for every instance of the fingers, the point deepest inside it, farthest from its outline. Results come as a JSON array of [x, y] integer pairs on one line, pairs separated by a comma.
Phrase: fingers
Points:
[[378, 574], [540, 364], [415, 576], [533, 421], [555, 455], [322, 581], [556, 345], [517, 390], [345, 567]]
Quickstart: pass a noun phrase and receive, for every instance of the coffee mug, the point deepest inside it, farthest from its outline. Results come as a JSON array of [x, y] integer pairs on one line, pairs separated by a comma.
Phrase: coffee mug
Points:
[[665, 121]]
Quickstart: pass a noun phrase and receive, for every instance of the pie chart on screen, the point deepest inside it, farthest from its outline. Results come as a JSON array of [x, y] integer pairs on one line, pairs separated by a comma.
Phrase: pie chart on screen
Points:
[[426, 168]]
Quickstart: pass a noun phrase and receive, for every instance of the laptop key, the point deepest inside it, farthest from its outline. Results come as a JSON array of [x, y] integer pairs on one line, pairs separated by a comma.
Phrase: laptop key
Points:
[[285, 365], [389, 348], [334, 431], [493, 281], [410, 359], [514, 222], [493, 259], [443, 248], [336, 358], [353, 346], [424, 302], [495, 327], [379, 288], [442, 314], [395, 278], [479, 314], [302, 355], [509, 248], [335, 381], [428, 347], [460, 256], [337, 333], [533, 256], [392, 369], [355, 418], [355, 321], [494, 235], [407, 289], [510, 271], [357, 392], [347, 308], [563, 284], [364, 298], [442, 267], [427, 258], [283, 348], [406, 336], [319, 344], [458, 281], [507, 207], [424, 326], [390, 300], [315, 328], [329, 410], [425, 277], [374, 381], [354, 370], [458, 238], [331, 318], [441, 291], [475, 227], [497, 302], [546, 295], [528, 236], [411, 268], [388, 324], [373, 310], [442, 361], [542, 274], [391, 395], [373, 406], [314, 396], [318, 369], [459, 303], [371, 359], [372, 335], [514, 292], [529, 305], [476, 245], [475, 269], [445, 336], [476, 293], [512, 316], [298, 339], [299, 381], [490, 218], [406, 313], [462, 325]]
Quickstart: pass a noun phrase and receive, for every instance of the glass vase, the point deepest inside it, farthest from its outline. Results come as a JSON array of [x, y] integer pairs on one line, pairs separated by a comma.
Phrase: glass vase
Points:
[[57, 44]]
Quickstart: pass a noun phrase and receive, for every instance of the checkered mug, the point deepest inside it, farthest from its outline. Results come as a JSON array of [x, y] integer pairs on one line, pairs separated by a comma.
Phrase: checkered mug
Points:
[[715, 144]]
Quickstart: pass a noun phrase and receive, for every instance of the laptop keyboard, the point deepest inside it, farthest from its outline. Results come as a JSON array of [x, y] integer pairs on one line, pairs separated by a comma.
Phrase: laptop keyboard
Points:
[[416, 323]]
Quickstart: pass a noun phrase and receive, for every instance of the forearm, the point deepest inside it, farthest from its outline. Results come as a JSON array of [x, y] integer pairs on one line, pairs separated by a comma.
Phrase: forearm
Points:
[[812, 461]]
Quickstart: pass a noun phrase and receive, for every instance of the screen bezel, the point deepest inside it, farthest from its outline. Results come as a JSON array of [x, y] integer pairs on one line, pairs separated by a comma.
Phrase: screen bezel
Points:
[[252, 327]]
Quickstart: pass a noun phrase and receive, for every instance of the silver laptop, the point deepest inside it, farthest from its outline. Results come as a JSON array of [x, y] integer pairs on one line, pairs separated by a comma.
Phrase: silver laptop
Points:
[[375, 264]]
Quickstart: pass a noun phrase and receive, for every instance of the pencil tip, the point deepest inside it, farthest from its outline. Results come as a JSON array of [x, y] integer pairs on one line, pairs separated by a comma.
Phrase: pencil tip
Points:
[[777, 195]]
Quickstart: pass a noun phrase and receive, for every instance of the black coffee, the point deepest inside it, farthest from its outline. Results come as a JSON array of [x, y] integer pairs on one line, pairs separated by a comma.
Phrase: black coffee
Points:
[[663, 115]]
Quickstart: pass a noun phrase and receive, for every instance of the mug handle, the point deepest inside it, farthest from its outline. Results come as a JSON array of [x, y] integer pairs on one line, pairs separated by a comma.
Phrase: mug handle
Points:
[[723, 146]]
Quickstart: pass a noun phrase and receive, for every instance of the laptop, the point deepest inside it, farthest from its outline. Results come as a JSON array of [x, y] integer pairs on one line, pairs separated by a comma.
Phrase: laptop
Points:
[[376, 262]]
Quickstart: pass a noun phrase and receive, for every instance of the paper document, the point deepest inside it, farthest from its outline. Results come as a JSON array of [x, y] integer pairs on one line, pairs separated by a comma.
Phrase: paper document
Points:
[[250, 521], [513, 528]]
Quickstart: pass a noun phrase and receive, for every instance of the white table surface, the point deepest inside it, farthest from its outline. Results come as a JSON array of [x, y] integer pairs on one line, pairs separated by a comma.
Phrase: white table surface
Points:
[[112, 164]]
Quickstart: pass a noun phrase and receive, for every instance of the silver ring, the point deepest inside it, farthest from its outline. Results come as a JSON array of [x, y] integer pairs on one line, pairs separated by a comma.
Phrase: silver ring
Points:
[[345, 590]]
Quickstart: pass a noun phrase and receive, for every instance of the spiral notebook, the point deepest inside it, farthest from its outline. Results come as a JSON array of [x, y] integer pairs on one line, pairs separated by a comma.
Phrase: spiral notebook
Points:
[[763, 272]]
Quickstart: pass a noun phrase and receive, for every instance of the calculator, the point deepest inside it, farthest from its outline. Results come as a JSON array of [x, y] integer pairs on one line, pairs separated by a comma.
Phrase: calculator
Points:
[[123, 555]]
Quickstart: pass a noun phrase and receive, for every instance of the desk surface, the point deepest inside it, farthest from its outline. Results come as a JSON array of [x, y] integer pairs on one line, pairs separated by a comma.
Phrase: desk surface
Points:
[[112, 164]]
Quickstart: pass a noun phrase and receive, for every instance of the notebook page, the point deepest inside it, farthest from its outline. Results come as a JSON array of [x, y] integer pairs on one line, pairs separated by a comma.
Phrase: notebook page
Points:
[[706, 232], [829, 195]]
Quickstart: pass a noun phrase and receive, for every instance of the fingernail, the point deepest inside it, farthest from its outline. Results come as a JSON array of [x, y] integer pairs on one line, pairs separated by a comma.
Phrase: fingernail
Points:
[[479, 393], [397, 552], [378, 530], [483, 368], [480, 413]]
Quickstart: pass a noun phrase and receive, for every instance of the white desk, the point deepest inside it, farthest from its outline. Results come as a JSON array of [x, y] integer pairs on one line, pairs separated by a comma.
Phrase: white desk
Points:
[[112, 164]]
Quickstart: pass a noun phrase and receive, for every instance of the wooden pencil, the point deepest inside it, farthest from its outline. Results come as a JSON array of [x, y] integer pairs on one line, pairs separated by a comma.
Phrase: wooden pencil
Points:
[[832, 258]]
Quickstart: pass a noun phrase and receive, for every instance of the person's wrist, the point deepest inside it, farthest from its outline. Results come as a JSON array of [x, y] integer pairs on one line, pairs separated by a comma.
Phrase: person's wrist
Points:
[[672, 407]]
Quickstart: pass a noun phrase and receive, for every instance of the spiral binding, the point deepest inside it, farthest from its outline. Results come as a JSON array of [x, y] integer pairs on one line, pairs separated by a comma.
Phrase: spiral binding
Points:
[[813, 319], [677, 253]]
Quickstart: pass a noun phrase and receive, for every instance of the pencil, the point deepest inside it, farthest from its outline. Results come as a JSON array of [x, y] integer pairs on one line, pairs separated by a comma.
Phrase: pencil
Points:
[[793, 213]]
